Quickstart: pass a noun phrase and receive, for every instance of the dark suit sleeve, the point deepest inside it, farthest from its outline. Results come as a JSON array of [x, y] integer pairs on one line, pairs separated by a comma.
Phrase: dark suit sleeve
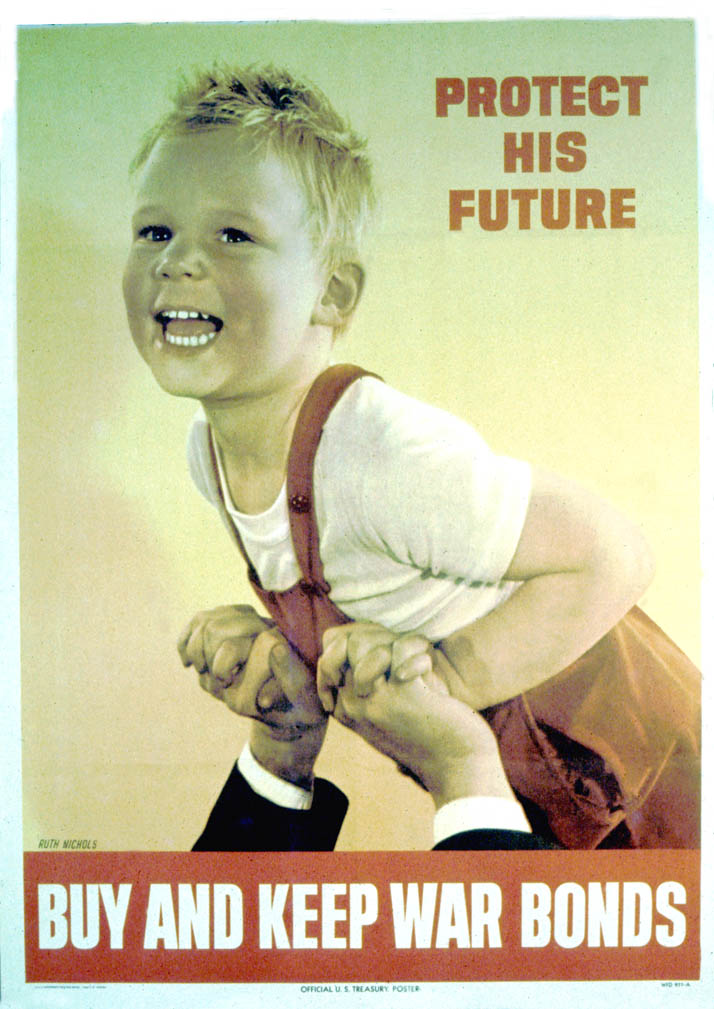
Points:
[[242, 820], [494, 840]]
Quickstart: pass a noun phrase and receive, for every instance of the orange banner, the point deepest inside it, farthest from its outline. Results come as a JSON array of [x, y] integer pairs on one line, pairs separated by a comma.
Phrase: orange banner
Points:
[[330, 919]]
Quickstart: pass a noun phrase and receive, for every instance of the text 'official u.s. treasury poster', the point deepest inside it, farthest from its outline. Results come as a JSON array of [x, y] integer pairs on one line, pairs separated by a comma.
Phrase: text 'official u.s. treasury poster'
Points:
[[529, 274]]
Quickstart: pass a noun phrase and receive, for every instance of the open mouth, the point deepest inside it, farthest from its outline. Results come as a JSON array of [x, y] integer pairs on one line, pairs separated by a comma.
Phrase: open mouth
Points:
[[188, 328]]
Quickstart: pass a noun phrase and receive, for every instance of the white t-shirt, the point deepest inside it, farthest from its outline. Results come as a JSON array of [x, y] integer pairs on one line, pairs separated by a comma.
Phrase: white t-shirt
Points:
[[418, 519]]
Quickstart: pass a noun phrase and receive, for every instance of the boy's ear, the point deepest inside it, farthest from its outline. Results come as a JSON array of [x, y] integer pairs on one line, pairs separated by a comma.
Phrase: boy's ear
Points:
[[340, 297]]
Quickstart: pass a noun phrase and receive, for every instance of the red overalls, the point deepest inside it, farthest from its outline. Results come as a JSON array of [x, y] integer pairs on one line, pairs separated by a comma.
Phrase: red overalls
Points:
[[605, 753]]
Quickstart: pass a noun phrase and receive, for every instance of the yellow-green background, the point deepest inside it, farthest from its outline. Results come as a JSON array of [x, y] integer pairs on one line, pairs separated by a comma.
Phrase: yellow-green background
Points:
[[576, 350]]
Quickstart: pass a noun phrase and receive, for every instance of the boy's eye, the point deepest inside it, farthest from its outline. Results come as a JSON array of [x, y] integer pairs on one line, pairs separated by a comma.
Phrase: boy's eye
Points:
[[155, 233], [234, 235]]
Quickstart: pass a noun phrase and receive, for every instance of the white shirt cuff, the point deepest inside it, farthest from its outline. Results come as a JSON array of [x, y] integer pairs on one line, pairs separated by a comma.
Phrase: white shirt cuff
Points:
[[479, 812], [270, 786]]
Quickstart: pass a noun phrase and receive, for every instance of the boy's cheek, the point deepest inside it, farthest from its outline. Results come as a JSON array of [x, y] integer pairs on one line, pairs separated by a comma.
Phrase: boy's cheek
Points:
[[128, 280], [132, 291]]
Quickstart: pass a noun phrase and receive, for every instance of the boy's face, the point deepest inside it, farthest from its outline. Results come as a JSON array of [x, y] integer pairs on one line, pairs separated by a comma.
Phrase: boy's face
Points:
[[222, 281]]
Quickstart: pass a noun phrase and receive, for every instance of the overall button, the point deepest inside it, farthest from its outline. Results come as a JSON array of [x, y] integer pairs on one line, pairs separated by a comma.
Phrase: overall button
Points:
[[299, 503]]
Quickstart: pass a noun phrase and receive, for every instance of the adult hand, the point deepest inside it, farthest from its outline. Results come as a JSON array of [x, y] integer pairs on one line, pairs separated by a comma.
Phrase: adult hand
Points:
[[447, 746], [244, 661]]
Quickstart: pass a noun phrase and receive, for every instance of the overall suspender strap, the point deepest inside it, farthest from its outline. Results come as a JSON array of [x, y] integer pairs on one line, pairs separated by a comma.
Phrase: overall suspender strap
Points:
[[304, 611], [324, 393]]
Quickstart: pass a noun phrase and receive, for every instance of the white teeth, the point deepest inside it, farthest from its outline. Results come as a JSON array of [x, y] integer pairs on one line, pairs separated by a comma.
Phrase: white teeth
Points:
[[190, 341], [164, 316], [181, 314]]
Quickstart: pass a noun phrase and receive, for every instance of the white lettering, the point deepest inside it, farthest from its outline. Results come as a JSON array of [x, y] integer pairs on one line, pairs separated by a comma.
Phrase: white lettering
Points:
[[302, 914], [667, 894], [331, 914], [535, 914], [115, 910], [486, 907], [453, 918], [227, 916], [270, 915], [193, 916], [160, 918], [51, 921], [413, 918], [569, 915], [603, 914], [364, 896], [636, 914]]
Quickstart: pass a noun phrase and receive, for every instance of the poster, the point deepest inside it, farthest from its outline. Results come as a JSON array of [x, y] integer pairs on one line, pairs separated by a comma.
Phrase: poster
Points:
[[574, 347]]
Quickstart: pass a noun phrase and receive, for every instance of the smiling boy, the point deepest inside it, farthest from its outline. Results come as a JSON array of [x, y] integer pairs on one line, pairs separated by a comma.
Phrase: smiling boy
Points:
[[222, 237], [426, 551]]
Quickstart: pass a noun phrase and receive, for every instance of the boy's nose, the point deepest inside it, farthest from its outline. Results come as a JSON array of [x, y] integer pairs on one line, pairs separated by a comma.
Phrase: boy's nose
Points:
[[179, 261]]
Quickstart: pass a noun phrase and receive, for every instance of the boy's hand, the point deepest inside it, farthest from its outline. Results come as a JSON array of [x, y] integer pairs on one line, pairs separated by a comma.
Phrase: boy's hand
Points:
[[370, 651], [243, 660], [218, 642]]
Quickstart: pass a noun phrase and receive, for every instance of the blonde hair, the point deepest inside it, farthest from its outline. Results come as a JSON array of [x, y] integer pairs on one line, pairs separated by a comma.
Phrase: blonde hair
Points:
[[295, 120]]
